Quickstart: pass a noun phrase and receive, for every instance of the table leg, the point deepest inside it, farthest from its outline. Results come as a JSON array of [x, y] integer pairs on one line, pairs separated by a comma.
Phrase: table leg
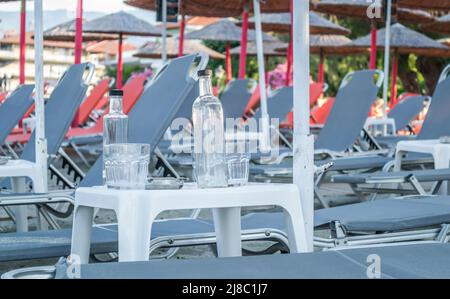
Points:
[[296, 228], [441, 161], [227, 224], [21, 212], [134, 234], [398, 160], [81, 233]]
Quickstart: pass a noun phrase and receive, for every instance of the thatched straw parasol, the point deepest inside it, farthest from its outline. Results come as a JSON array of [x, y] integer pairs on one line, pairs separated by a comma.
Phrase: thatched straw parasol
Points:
[[227, 31], [63, 32], [445, 41], [426, 4], [441, 25], [154, 49], [404, 41], [359, 9], [214, 8], [121, 23], [270, 49], [281, 22], [330, 45]]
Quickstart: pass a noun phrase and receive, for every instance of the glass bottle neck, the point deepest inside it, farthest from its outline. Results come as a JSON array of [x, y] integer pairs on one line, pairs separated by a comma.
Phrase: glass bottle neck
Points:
[[205, 86], [115, 105]]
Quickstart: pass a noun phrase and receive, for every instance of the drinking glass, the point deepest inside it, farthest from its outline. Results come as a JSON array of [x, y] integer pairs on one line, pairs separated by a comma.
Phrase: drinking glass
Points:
[[126, 165], [238, 168]]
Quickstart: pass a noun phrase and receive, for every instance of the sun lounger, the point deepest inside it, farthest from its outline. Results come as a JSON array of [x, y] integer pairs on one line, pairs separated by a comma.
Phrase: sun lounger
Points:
[[407, 110], [422, 261], [59, 112], [436, 123], [13, 109], [88, 105], [236, 96], [396, 262], [149, 119]]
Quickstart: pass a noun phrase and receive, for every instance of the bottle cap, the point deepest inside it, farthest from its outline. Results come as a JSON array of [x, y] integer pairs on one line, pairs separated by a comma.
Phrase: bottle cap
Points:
[[116, 92], [202, 73]]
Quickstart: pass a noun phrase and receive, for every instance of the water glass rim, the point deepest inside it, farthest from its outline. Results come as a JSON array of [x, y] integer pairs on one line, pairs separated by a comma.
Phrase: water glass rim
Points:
[[128, 148]]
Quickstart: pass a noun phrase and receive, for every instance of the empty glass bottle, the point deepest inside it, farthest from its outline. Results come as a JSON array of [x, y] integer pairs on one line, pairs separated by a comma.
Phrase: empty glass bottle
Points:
[[209, 146], [115, 123]]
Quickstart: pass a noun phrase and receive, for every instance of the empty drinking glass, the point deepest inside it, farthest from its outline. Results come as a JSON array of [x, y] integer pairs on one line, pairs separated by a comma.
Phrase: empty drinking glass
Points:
[[238, 168], [126, 165]]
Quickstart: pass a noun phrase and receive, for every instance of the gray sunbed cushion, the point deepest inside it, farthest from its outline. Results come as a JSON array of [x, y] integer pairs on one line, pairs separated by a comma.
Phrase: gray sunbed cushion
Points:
[[60, 110], [436, 123], [56, 243], [235, 98], [349, 112], [414, 261], [421, 175], [279, 104], [405, 111], [391, 214], [13, 109]]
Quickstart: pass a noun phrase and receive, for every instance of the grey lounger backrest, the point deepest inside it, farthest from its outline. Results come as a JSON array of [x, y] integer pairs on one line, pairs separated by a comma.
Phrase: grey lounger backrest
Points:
[[156, 108], [279, 104], [437, 123], [13, 109], [351, 107], [61, 107], [235, 98], [405, 111]]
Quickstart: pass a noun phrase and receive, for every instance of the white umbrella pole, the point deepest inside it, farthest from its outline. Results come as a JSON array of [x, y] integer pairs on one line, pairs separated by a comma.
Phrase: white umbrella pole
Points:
[[303, 141], [41, 142], [261, 75], [164, 33], [387, 41]]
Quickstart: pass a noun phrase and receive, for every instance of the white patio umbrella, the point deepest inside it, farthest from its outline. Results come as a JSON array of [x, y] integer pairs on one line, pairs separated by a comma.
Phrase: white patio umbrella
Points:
[[303, 141], [41, 142], [387, 47]]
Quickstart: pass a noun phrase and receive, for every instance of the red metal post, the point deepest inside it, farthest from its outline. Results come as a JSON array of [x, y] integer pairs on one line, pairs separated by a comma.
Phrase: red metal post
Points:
[[321, 75], [22, 42], [228, 61], [181, 44], [119, 63], [394, 79], [373, 45], [244, 39], [290, 48], [79, 32]]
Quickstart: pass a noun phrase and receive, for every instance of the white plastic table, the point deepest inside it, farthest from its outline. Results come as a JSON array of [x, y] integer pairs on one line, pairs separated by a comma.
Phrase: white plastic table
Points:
[[372, 123], [136, 210], [18, 170], [439, 151]]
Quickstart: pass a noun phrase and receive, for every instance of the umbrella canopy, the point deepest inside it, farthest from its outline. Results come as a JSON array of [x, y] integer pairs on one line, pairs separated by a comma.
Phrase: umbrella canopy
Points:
[[63, 32], [224, 30], [331, 45], [441, 25], [358, 9], [270, 49], [154, 49], [281, 22], [406, 41], [426, 4], [445, 41], [214, 8], [121, 23]]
